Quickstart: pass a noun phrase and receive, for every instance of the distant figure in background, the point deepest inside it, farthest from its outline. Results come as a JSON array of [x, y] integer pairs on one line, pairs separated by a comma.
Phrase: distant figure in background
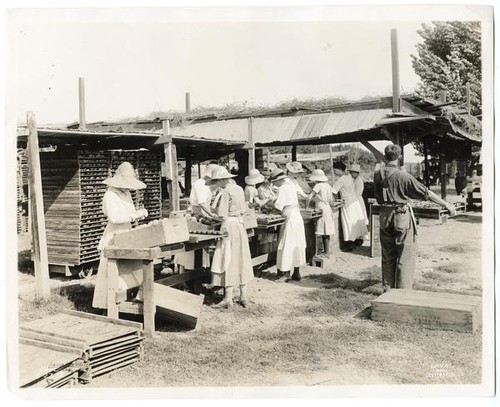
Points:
[[295, 173], [253, 178], [351, 213], [292, 238], [460, 183], [322, 193], [359, 186], [393, 189], [232, 262], [119, 209]]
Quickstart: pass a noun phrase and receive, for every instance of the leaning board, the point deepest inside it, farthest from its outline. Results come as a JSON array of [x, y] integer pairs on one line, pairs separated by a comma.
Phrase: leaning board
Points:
[[429, 309]]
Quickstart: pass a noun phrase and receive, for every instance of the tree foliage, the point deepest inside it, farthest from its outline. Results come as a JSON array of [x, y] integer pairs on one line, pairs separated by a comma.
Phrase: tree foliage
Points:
[[448, 58]]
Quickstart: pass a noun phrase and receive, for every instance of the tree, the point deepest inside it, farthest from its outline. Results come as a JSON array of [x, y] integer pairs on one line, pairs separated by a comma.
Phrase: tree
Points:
[[448, 58]]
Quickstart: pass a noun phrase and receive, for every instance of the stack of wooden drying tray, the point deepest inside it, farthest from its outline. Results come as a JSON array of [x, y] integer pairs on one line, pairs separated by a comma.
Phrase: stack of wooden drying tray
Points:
[[74, 346], [309, 214], [426, 210], [269, 220]]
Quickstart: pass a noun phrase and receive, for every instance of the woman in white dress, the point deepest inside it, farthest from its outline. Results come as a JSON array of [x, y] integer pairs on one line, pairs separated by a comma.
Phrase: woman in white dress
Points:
[[119, 209], [292, 238], [322, 194], [232, 262], [253, 178], [359, 186], [351, 214], [295, 174]]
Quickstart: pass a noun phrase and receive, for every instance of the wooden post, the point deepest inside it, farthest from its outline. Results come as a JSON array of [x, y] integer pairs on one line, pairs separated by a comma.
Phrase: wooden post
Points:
[[251, 150], [426, 164], [294, 153], [171, 167], [81, 104], [395, 71], [442, 165], [188, 102], [199, 169], [149, 297], [38, 233], [112, 277], [188, 174], [268, 157]]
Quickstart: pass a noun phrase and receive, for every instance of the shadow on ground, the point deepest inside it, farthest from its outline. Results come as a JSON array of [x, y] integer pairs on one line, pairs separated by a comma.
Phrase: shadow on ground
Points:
[[468, 219], [333, 280]]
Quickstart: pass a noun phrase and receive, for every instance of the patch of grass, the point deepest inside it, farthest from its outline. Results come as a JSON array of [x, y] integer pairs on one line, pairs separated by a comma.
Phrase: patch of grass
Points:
[[30, 310], [452, 268], [438, 276], [334, 302], [456, 248]]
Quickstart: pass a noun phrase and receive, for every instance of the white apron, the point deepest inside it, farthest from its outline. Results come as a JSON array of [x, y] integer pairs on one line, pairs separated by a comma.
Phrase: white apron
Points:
[[325, 224], [292, 240]]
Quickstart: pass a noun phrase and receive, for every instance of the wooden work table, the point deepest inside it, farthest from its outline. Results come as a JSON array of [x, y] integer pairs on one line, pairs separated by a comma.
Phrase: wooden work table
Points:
[[116, 256]]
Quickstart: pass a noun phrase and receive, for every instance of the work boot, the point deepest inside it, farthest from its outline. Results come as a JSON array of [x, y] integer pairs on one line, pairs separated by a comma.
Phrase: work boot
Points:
[[296, 274], [280, 273]]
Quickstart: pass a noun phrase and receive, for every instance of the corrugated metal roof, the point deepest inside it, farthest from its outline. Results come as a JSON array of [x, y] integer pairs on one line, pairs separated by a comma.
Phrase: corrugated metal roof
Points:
[[282, 129]]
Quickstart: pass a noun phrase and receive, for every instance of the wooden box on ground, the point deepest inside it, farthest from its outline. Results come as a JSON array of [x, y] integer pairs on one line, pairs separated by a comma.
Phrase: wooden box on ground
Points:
[[178, 306], [160, 233], [429, 309]]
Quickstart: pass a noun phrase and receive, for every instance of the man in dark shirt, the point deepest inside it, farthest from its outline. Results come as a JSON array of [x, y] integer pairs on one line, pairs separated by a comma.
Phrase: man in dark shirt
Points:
[[393, 190]]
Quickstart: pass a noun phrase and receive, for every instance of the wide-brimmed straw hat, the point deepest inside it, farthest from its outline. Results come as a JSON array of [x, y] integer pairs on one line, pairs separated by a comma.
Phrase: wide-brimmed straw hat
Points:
[[219, 173], [209, 169], [124, 178], [318, 176], [277, 175], [355, 168], [295, 167], [254, 177]]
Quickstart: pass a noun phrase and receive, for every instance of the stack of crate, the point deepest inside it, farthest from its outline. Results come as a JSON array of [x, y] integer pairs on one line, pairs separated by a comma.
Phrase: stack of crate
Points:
[[93, 167], [22, 196], [73, 192]]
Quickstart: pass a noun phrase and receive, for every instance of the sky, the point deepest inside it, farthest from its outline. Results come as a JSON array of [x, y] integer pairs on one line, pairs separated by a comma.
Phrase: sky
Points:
[[134, 66]]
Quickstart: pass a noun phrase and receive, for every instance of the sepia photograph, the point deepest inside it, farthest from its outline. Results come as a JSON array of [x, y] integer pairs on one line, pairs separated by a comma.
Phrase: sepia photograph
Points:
[[250, 201]]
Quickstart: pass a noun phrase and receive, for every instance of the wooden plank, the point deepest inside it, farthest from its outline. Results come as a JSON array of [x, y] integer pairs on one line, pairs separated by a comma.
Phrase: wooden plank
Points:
[[431, 310], [38, 232], [96, 347], [178, 306], [115, 347], [52, 346], [132, 254], [263, 258], [181, 278], [113, 359], [106, 369], [38, 336], [158, 233], [149, 298], [125, 347]]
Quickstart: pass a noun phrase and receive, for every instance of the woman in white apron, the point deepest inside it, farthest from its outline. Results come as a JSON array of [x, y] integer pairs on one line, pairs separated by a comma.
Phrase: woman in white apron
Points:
[[253, 178], [359, 186], [119, 209], [351, 214], [322, 194], [292, 238], [232, 262], [295, 173]]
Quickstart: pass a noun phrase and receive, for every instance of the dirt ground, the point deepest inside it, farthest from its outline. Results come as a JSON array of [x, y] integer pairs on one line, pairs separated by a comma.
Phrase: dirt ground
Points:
[[314, 332]]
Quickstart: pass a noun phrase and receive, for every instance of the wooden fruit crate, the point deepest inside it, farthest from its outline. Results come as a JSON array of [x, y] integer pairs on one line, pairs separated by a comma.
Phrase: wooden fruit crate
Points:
[[429, 309]]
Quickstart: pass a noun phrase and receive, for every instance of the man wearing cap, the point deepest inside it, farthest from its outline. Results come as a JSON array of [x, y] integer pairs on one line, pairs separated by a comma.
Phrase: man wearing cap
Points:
[[118, 206], [393, 190], [295, 172], [292, 238]]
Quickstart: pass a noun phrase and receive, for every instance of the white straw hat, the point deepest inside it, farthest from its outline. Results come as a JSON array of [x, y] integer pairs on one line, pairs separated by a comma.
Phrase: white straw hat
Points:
[[295, 167], [220, 173], [355, 168], [318, 176], [125, 178], [277, 175], [254, 177]]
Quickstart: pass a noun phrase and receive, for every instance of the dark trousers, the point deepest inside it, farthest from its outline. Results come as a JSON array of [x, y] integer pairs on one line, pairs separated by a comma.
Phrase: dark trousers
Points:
[[399, 247]]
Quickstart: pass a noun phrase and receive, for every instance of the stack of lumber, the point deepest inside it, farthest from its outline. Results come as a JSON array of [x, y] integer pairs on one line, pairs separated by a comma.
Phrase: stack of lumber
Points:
[[73, 191], [429, 309], [101, 344], [48, 365], [22, 196]]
